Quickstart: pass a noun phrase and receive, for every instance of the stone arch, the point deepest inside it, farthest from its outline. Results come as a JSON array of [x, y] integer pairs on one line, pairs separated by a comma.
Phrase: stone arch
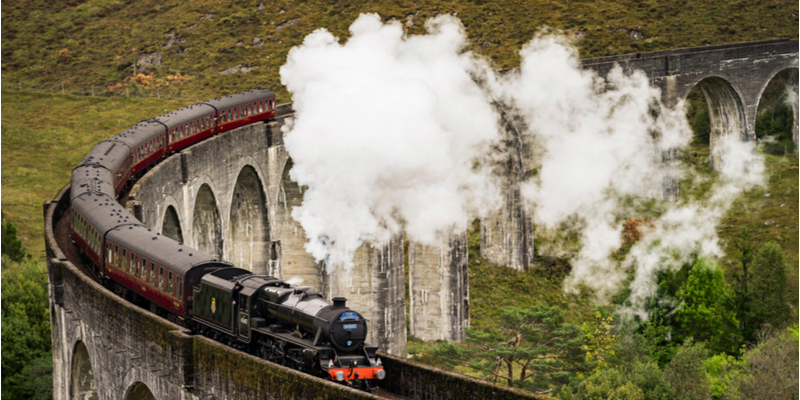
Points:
[[789, 77], [206, 223], [171, 225], [726, 111], [82, 383], [139, 391], [248, 232]]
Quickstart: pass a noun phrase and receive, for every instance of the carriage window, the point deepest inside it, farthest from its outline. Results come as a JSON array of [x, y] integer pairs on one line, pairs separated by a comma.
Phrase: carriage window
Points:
[[143, 269], [169, 283], [116, 254], [202, 123], [124, 263], [133, 262], [133, 268], [152, 274], [161, 278], [180, 288], [260, 106]]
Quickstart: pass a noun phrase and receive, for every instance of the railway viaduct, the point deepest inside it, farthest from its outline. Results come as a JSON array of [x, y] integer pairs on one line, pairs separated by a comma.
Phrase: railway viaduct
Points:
[[232, 196]]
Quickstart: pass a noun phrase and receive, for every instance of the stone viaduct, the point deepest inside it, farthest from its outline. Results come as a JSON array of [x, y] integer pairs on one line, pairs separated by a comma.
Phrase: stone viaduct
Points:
[[732, 77], [232, 196]]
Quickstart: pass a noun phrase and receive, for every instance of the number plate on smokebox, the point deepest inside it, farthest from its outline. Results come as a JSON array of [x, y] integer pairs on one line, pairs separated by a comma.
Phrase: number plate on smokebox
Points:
[[349, 326]]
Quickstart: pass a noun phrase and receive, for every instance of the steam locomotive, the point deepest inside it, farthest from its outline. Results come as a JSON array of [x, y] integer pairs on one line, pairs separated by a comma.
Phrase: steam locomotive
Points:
[[292, 326]]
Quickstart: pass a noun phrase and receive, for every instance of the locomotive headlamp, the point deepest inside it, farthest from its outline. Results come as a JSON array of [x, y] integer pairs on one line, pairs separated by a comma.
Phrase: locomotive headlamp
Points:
[[339, 376], [380, 374]]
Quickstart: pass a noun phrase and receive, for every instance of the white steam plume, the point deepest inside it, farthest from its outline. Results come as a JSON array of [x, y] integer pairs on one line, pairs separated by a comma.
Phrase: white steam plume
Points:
[[387, 131], [600, 140], [596, 140]]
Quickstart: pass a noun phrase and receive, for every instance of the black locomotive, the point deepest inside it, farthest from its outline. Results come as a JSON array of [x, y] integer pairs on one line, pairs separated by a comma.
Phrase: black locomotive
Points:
[[292, 326], [265, 316]]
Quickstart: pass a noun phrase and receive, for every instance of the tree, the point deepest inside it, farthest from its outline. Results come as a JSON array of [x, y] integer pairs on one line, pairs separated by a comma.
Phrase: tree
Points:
[[771, 370], [650, 378], [11, 246], [643, 381], [704, 313], [26, 359], [686, 372], [768, 287], [745, 247], [723, 370], [534, 348], [608, 384]]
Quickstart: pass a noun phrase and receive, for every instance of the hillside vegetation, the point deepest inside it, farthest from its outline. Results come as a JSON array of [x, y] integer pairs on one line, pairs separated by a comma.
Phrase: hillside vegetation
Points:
[[182, 48]]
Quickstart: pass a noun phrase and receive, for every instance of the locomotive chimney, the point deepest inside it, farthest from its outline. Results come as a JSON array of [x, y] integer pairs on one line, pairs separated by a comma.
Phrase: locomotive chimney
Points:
[[339, 301]]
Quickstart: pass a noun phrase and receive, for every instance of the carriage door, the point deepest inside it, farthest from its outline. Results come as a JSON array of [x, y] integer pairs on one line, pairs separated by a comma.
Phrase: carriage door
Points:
[[244, 316]]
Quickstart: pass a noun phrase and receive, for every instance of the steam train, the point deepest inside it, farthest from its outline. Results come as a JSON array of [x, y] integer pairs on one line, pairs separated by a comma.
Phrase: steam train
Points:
[[292, 326]]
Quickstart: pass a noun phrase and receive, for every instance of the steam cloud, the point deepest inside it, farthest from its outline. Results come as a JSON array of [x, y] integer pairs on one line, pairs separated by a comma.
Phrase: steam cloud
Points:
[[389, 128], [386, 133]]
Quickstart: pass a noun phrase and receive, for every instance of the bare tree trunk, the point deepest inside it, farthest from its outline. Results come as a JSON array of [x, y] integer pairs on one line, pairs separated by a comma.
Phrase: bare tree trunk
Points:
[[510, 373]]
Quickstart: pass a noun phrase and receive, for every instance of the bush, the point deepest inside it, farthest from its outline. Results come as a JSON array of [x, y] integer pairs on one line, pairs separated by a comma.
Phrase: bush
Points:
[[26, 359], [686, 372], [11, 246], [771, 370]]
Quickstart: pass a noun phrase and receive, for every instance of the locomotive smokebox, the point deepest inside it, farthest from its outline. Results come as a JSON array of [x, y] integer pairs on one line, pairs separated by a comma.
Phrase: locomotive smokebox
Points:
[[339, 301]]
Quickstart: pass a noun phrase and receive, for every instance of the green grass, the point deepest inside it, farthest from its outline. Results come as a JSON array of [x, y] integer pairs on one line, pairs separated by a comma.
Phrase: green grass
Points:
[[85, 43], [44, 137]]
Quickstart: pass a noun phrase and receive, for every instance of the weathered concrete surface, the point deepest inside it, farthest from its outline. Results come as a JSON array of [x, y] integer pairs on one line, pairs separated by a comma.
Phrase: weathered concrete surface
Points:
[[215, 213], [421, 382], [438, 281], [376, 288], [507, 235]]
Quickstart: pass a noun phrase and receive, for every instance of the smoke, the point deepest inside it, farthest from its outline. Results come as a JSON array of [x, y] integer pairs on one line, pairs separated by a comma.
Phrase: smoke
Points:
[[387, 132], [688, 229], [596, 141], [389, 129], [599, 142]]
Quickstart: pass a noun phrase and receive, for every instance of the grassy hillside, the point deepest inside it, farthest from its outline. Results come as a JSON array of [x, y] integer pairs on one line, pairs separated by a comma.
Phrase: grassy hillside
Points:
[[181, 47], [44, 136]]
